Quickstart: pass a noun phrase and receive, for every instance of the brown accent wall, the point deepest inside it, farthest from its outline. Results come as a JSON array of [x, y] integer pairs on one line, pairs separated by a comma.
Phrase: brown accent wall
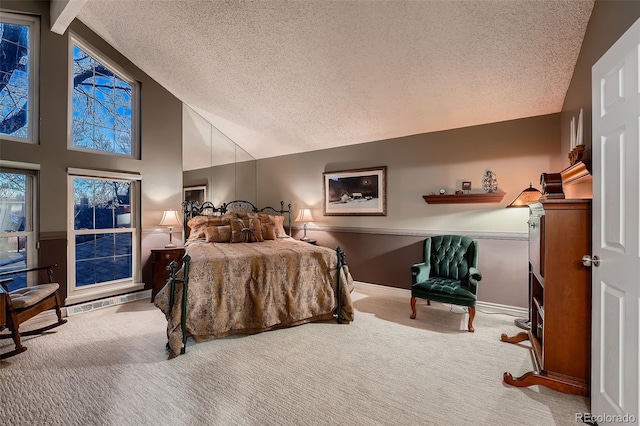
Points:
[[160, 164], [609, 20]]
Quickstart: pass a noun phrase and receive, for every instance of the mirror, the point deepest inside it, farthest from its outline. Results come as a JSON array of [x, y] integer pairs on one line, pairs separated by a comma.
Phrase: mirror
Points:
[[210, 158]]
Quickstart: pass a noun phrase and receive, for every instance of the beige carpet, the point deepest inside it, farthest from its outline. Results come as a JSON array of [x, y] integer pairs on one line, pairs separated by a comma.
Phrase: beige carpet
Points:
[[109, 367]]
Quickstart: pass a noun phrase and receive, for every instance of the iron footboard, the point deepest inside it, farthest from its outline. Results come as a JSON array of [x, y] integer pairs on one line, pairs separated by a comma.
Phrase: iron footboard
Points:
[[173, 280]]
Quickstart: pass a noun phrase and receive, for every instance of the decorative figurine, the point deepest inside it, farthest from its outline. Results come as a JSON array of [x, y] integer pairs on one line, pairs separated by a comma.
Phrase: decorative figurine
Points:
[[489, 181]]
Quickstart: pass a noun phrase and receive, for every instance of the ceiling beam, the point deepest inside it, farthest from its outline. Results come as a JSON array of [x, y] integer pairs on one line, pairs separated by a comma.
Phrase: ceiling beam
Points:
[[63, 12]]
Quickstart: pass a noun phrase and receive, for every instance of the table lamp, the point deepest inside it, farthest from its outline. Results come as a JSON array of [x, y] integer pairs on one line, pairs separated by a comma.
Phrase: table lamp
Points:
[[170, 219], [304, 215]]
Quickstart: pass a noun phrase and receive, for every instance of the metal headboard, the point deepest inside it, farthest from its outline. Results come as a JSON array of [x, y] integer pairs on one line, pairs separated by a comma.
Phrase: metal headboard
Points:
[[192, 209]]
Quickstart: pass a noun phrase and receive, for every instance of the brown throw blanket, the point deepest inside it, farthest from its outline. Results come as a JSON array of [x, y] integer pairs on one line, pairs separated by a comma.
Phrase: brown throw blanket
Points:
[[254, 287]]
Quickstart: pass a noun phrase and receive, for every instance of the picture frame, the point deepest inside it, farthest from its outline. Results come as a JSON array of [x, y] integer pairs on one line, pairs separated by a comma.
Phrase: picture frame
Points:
[[357, 192], [195, 193], [466, 186]]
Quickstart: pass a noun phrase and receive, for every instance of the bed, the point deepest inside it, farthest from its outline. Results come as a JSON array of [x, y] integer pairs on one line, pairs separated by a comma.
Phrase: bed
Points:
[[243, 274]]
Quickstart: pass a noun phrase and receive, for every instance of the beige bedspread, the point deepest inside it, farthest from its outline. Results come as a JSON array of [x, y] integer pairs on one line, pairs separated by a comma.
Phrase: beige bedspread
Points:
[[254, 287]]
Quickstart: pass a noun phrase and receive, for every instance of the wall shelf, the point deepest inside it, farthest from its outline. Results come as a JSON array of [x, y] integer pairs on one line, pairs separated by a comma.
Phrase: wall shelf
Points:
[[488, 197]]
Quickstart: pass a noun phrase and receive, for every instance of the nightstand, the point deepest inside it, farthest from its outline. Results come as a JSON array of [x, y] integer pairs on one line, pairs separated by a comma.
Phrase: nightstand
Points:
[[160, 260]]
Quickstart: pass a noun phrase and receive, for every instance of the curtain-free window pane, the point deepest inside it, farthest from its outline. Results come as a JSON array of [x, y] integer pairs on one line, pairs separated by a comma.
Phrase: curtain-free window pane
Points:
[[13, 257], [14, 80], [102, 106], [103, 258], [100, 204]]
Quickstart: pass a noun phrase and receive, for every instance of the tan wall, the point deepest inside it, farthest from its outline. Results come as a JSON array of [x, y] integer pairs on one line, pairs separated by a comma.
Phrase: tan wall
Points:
[[161, 135], [518, 151], [381, 249], [609, 20]]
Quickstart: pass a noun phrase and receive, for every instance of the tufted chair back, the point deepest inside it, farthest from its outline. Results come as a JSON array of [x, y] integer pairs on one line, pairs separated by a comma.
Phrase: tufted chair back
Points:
[[450, 256]]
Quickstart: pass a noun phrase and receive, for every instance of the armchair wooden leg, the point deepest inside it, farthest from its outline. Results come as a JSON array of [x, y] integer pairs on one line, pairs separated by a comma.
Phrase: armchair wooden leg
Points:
[[472, 315], [413, 308]]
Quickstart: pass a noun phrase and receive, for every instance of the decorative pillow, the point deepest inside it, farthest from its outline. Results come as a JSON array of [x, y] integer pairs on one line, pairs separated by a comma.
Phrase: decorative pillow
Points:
[[246, 231], [218, 234], [256, 227], [268, 230], [199, 224], [264, 218], [278, 221]]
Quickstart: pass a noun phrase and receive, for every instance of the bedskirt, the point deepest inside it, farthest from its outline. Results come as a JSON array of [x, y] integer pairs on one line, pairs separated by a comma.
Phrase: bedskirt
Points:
[[245, 288]]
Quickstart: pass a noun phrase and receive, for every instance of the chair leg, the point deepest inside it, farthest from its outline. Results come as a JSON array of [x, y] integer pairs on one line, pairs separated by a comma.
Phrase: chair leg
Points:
[[15, 335], [413, 307], [472, 315]]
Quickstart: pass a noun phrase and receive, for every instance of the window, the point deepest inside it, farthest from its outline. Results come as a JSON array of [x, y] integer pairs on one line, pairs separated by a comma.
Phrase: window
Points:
[[103, 101], [17, 225], [19, 35], [103, 237]]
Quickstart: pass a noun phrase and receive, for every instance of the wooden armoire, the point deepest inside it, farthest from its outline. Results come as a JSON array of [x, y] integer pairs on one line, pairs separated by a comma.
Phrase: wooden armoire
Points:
[[560, 297]]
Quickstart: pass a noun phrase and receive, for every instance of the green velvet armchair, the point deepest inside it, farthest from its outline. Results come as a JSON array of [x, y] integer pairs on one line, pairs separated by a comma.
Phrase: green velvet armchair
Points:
[[449, 273]]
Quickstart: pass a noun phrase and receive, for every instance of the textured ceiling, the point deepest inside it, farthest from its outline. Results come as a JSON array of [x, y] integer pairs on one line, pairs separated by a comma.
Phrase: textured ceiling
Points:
[[282, 77]]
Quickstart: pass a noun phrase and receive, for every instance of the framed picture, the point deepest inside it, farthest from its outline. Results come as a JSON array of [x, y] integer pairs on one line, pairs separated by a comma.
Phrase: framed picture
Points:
[[195, 193], [466, 186], [360, 192]]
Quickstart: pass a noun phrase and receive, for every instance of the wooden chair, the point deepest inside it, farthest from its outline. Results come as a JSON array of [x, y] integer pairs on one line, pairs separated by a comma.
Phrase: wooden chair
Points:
[[25, 303]]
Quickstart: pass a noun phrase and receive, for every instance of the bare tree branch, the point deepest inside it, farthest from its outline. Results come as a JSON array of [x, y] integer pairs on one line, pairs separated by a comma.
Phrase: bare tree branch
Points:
[[86, 74], [12, 51]]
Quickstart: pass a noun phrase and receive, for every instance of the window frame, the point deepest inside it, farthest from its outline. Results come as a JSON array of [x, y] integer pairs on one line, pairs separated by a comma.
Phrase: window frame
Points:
[[33, 116], [32, 172], [76, 40], [110, 288]]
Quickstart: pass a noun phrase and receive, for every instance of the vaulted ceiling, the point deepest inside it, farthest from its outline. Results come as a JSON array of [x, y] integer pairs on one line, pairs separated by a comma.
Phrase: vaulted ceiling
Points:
[[282, 77]]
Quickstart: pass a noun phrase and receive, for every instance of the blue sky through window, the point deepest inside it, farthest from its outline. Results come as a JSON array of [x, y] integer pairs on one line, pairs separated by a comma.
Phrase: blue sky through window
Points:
[[102, 106], [14, 80]]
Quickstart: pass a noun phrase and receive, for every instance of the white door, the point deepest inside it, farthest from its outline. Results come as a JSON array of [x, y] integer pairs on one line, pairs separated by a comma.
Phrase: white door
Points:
[[616, 232]]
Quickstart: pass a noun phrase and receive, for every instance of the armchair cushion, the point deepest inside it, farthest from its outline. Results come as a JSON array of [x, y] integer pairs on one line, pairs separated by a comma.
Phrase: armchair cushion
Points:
[[445, 290]]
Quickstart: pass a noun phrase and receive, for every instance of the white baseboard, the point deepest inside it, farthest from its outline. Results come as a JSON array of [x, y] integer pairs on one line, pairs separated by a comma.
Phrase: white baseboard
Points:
[[483, 306]]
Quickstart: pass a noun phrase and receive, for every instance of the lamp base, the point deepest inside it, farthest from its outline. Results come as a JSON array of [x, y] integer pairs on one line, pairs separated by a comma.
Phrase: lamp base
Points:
[[170, 245], [304, 237]]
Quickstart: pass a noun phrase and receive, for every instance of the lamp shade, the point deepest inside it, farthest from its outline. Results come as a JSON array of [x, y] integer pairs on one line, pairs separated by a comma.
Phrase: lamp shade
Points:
[[170, 218], [528, 196], [304, 215]]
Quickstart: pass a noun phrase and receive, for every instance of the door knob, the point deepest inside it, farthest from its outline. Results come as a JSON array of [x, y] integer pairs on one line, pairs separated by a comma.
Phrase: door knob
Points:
[[588, 260]]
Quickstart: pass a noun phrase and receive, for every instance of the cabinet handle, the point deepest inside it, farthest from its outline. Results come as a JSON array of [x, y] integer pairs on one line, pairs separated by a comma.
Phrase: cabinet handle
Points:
[[588, 260]]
